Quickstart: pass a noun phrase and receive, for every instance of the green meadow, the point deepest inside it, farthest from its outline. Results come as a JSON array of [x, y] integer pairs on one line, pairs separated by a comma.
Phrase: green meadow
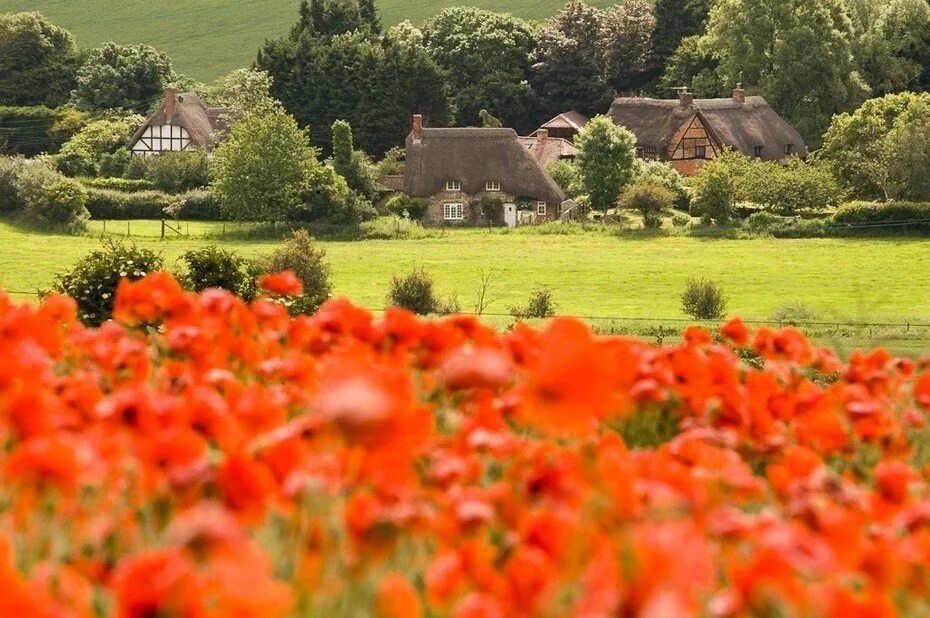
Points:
[[207, 38]]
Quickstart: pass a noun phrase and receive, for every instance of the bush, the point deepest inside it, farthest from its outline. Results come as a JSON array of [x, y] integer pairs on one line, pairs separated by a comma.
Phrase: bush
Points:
[[302, 257], [703, 300], [664, 174], [892, 216], [10, 169], [794, 314], [119, 205], [92, 282], [33, 130], [540, 306], [404, 205], [649, 198], [414, 292], [714, 192], [98, 148], [790, 189], [61, 205], [212, 267], [173, 172], [126, 185], [681, 219]]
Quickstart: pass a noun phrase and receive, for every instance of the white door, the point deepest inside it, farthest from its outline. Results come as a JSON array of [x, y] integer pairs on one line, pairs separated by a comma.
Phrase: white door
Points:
[[510, 215]]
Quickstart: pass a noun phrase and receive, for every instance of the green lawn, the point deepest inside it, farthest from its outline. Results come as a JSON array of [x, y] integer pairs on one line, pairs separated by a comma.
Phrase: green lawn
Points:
[[206, 38]]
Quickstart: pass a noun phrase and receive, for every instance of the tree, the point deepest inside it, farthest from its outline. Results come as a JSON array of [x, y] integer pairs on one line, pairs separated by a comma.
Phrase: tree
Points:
[[375, 85], [606, 153], [486, 120], [693, 66], [855, 143], [715, 190], [626, 40], [131, 77], [487, 58], [796, 53], [677, 20], [38, 61], [327, 18], [243, 92], [263, 168], [91, 148], [648, 197], [893, 41], [353, 165], [906, 158], [569, 64]]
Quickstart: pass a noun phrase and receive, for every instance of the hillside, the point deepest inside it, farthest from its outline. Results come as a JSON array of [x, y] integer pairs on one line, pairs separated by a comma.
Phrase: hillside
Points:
[[207, 38]]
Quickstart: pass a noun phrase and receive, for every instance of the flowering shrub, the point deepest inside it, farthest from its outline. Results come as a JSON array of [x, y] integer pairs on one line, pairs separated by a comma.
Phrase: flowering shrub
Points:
[[203, 457]]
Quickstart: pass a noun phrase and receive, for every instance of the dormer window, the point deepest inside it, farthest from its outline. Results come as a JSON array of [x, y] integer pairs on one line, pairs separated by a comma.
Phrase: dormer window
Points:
[[453, 186], [492, 185]]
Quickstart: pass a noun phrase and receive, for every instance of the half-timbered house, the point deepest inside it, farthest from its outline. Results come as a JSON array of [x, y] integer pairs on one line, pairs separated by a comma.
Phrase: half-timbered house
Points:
[[182, 122], [688, 132]]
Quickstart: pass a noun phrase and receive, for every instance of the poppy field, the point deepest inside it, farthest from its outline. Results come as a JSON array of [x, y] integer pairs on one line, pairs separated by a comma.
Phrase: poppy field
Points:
[[200, 457]]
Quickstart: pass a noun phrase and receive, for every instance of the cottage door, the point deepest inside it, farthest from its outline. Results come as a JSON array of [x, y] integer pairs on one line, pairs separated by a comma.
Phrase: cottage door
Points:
[[510, 215]]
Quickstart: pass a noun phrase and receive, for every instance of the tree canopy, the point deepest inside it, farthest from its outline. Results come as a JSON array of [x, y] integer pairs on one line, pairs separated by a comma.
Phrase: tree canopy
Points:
[[38, 61], [606, 153], [130, 77]]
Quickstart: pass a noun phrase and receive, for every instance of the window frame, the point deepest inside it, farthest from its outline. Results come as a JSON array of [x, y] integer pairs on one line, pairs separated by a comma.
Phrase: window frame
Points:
[[789, 149], [493, 186], [700, 151], [757, 152], [450, 209], [453, 186], [541, 209]]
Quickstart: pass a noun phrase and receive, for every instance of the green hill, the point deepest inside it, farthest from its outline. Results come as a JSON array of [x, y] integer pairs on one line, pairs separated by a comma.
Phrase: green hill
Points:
[[207, 38]]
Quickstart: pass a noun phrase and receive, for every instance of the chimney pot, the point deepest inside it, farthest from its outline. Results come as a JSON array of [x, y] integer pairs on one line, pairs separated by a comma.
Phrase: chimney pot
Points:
[[739, 95], [417, 127], [542, 135], [171, 102], [685, 98]]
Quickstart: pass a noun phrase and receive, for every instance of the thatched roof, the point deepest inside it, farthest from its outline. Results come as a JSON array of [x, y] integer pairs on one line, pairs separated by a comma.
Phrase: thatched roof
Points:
[[740, 125], [202, 122], [567, 120], [547, 149], [475, 156]]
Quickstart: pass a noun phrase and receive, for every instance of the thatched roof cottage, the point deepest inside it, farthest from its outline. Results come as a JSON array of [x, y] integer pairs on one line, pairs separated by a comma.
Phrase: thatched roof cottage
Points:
[[457, 168], [687, 132], [182, 122]]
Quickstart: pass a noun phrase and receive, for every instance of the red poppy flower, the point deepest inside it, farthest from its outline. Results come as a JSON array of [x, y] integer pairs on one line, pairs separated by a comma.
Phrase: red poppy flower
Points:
[[281, 284]]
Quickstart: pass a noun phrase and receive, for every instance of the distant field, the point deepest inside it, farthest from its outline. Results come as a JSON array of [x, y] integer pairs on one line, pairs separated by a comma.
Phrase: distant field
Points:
[[847, 280], [207, 38]]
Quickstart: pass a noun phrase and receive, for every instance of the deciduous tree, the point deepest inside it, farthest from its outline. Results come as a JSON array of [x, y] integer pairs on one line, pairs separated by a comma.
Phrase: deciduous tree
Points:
[[130, 77], [606, 153], [38, 61]]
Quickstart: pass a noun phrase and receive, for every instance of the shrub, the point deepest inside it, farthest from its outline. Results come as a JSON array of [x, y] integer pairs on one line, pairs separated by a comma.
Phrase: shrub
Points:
[[92, 282], [794, 314], [539, 306], [33, 130], [10, 169], [301, 256], [414, 292], [393, 162], [681, 219], [891, 216], [664, 174], [649, 198], [62, 204], [703, 300], [212, 267], [99, 147], [714, 192], [176, 172], [404, 205], [119, 205], [790, 189], [127, 185]]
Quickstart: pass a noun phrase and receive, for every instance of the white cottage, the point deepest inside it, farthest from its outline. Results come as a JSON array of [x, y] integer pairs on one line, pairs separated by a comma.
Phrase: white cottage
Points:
[[183, 122]]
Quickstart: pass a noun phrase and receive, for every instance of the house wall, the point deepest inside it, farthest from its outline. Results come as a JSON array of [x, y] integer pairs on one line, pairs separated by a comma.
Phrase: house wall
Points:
[[687, 140], [435, 214]]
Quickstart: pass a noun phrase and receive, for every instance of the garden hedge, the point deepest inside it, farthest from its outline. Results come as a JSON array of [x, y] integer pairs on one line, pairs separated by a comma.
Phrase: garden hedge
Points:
[[893, 216], [120, 205]]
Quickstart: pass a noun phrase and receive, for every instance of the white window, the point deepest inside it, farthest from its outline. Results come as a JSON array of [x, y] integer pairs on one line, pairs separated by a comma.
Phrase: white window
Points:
[[492, 185], [540, 209], [453, 212], [163, 138], [453, 185]]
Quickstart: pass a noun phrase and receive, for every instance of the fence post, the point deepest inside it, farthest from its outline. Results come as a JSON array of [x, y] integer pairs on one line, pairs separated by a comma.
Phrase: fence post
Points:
[[162, 229], [104, 227], [128, 233]]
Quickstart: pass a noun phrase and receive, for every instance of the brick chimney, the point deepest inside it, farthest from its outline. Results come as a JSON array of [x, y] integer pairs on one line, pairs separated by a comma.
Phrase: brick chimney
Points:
[[685, 98], [739, 95], [417, 128], [171, 102], [541, 136]]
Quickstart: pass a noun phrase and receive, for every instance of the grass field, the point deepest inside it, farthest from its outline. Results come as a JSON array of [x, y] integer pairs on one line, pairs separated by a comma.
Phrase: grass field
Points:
[[207, 38], [626, 285]]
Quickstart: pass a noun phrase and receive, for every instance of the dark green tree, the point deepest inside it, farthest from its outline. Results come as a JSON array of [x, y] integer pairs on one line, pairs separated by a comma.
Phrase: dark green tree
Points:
[[675, 21], [38, 61], [353, 165], [130, 77], [328, 18], [486, 120]]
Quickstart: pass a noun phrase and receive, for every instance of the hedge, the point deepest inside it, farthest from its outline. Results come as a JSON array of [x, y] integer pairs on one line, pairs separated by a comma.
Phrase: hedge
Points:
[[119, 205], [126, 185], [894, 216], [29, 130]]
